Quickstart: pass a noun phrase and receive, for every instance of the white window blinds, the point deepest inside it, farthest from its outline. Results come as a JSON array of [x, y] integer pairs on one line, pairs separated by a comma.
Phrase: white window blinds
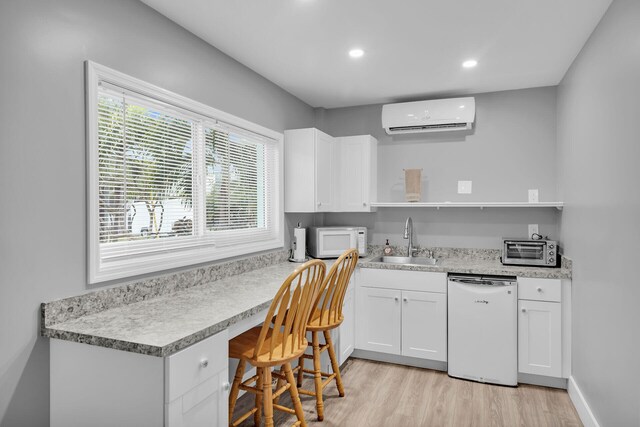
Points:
[[175, 184]]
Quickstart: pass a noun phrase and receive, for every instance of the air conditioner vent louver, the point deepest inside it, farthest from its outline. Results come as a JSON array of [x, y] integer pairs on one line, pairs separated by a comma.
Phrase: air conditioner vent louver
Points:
[[429, 116], [443, 126]]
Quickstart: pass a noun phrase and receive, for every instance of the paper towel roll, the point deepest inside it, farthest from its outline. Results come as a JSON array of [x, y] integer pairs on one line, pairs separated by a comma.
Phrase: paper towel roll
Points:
[[300, 243]]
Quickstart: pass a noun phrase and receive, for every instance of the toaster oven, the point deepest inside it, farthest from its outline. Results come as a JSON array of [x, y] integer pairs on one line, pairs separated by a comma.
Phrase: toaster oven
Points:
[[539, 253]]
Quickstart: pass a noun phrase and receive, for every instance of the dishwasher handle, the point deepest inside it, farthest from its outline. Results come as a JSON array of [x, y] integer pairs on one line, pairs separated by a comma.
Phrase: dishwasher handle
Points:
[[482, 282]]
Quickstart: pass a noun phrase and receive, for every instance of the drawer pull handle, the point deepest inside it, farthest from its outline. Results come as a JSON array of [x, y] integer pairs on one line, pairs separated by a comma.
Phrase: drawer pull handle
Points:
[[524, 310], [204, 363], [226, 386], [396, 298], [539, 289], [405, 299]]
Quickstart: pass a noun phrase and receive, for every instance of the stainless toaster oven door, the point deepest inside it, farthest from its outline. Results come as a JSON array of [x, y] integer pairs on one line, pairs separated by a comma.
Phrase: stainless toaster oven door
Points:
[[532, 253]]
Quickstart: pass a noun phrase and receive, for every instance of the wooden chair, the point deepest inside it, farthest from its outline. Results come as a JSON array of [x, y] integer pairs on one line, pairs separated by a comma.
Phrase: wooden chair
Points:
[[327, 315], [281, 339]]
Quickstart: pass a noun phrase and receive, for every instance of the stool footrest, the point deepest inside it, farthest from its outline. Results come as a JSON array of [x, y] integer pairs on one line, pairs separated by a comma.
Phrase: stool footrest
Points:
[[275, 374], [283, 409], [250, 389], [328, 380], [244, 417], [281, 390], [249, 380], [306, 392]]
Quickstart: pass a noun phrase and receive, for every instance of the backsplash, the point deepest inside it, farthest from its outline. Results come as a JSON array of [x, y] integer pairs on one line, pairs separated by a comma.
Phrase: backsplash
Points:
[[94, 302], [471, 254], [439, 252]]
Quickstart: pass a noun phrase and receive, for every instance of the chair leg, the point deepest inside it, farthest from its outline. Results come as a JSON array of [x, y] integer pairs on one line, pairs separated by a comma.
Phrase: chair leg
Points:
[[297, 405], [257, 416], [279, 385], [235, 388], [317, 376], [334, 363], [300, 373], [267, 398]]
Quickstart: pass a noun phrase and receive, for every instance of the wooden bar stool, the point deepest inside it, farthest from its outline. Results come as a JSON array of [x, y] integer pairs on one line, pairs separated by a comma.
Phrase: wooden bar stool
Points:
[[327, 315], [281, 339]]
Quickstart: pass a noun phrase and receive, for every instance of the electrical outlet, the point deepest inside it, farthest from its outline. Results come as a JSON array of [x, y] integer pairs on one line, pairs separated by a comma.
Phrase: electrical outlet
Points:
[[533, 196], [464, 187], [533, 229]]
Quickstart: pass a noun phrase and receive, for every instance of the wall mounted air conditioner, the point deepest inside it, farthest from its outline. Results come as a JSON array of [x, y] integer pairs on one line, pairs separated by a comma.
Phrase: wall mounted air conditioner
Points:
[[429, 116]]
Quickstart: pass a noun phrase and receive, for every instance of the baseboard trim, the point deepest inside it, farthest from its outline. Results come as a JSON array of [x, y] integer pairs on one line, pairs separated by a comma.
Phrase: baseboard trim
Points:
[[542, 381], [400, 360], [584, 411]]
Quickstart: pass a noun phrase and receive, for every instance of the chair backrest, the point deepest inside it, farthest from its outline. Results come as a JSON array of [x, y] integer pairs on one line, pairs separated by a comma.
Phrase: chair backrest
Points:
[[290, 310], [334, 287]]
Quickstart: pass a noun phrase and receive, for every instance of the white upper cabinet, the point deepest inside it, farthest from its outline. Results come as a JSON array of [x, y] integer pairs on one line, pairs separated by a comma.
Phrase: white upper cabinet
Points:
[[308, 170], [326, 174], [325, 165], [357, 170]]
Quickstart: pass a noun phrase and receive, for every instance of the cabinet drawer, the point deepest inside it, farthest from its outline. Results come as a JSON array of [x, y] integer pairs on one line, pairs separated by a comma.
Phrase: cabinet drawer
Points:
[[540, 289], [195, 364], [403, 280]]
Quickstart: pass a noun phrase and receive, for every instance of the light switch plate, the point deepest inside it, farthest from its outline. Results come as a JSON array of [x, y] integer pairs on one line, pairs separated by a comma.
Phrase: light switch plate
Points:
[[533, 196], [533, 229], [464, 187]]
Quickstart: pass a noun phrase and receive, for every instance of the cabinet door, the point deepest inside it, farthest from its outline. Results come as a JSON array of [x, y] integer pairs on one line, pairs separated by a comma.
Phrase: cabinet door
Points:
[[353, 171], [325, 170], [299, 170], [378, 322], [424, 325], [539, 338], [205, 405], [347, 328]]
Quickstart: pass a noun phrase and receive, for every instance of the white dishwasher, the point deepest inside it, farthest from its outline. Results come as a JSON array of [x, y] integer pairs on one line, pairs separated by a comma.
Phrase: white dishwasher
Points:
[[483, 328]]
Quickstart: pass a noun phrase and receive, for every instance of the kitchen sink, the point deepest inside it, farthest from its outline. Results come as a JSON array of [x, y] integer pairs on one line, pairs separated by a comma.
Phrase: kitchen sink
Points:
[[406, 260]]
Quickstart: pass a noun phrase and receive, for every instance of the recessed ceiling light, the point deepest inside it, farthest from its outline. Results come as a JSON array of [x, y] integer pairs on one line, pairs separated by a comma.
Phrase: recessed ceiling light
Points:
[[356, 53], [470, 63]]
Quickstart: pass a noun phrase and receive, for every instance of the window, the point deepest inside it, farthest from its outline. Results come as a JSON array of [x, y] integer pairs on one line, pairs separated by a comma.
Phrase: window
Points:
[[173, 182]]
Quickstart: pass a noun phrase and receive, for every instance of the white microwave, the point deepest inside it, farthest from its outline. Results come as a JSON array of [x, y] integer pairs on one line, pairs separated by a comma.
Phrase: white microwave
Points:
[[331, 242]]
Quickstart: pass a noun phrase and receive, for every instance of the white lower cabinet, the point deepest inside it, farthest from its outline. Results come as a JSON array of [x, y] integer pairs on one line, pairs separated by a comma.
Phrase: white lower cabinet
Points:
[[103, 387], [540, 338], [542, 304], [424, 327], [401, 321], [196, 384], [379, 320], [347, 330]]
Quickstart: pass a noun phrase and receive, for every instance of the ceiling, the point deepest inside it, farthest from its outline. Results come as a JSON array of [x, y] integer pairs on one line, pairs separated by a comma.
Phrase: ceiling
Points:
[[413, 48]]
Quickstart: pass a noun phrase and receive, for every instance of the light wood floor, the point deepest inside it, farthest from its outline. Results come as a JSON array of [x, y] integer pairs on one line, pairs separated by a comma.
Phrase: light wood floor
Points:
[[386, 395]]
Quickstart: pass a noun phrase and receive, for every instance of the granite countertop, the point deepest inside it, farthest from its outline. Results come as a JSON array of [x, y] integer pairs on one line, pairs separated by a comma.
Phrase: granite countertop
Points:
[[479, 266], [162, 315], [466, 261], [166, 324]]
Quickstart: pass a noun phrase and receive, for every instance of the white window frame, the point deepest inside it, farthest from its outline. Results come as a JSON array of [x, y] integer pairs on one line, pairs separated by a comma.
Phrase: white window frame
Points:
[[100, 270]]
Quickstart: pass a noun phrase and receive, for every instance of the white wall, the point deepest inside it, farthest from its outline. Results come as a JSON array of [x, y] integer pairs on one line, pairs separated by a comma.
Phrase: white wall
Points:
[[599, 150], [42, 153], [512, 149]]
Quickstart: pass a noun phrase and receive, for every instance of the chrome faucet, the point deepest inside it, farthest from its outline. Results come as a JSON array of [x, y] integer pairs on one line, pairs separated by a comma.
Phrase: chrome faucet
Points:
[[408, 234]]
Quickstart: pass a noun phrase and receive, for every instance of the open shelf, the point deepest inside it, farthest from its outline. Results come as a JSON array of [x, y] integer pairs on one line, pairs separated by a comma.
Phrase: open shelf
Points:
[[481, 205]]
